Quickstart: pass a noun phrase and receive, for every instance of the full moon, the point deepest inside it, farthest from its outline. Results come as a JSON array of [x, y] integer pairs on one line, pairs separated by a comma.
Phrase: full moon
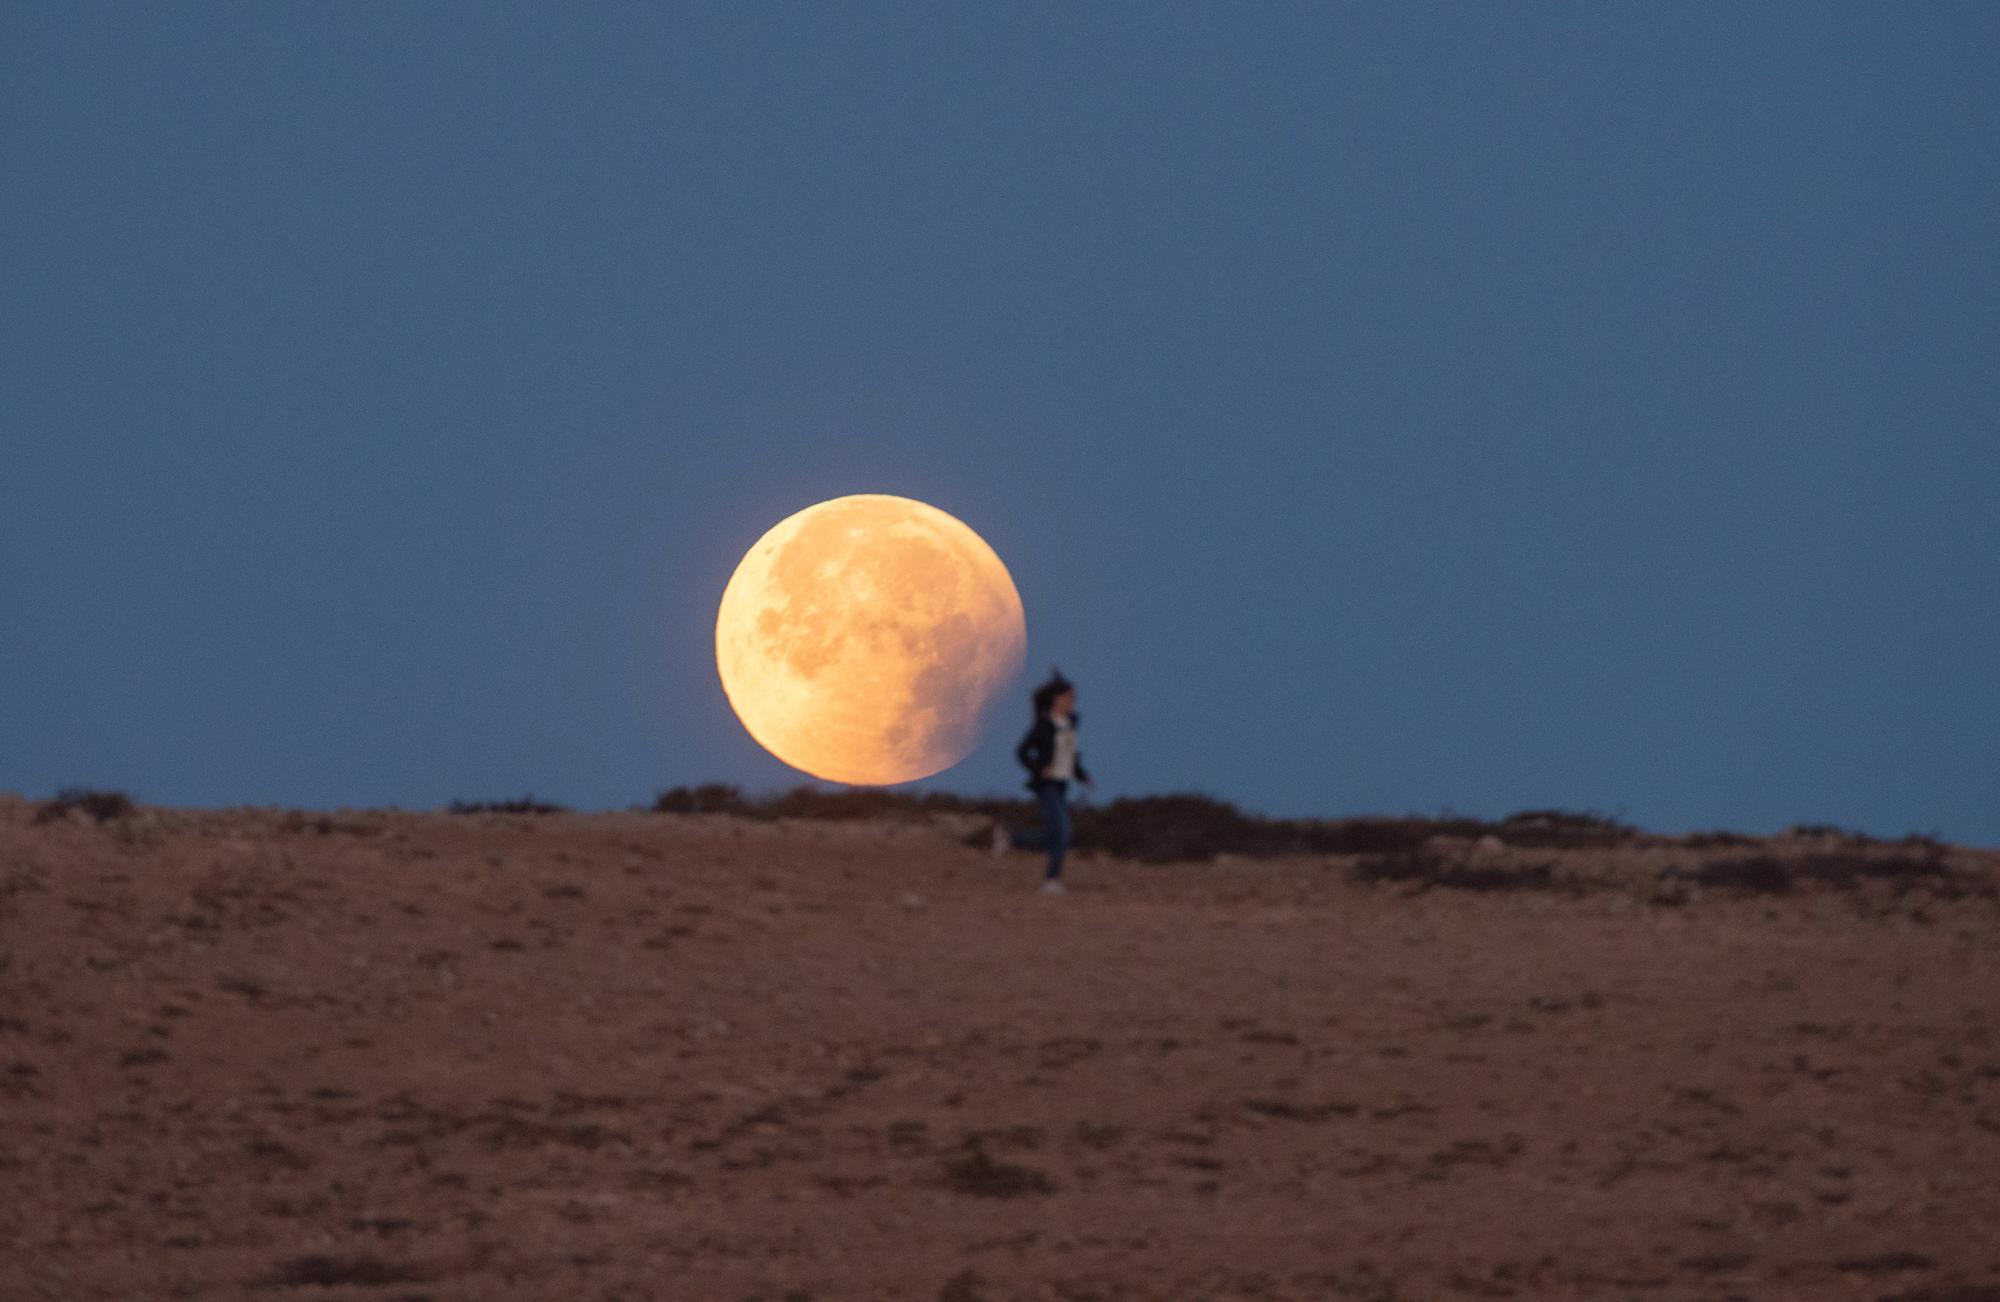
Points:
[[861, 639]]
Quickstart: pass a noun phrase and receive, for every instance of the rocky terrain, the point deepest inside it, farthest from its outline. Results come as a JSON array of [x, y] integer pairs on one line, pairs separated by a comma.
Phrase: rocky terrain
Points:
[[361, 1055]]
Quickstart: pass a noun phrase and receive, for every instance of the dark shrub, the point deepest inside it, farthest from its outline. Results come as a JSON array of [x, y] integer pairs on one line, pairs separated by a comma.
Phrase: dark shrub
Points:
[[524, 805], [853, 803], [874, 802], [101, 806], [838, 805], [1828, 831], [1187, 827], [1753, 874], [709, 798], [1844, 870], [1181, 827], [1174, 828], [1556, 829], [1840, 870]]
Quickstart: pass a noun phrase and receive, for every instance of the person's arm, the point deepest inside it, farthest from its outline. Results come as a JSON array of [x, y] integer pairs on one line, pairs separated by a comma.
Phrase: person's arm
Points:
[[1082, 773], [1033, 752]]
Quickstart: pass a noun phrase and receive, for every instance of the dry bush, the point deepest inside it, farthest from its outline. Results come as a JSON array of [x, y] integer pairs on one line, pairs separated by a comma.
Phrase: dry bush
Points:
[[1751, 874], [709, 798], [1180, 827], [1828, 832], [844, 805], [874, 803], [521, 805], [1174, 829], [1185, 827], [1716, 840], [1844, 870], [101, 806], [1914, 863], [1556, 829], [1188, 827]]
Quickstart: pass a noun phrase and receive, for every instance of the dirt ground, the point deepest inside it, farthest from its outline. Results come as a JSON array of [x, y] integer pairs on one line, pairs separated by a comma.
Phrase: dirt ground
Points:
[[638, 1056]]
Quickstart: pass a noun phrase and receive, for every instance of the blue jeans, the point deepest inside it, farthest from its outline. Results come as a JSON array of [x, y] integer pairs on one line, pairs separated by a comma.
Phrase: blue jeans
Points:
[[1053, 834]]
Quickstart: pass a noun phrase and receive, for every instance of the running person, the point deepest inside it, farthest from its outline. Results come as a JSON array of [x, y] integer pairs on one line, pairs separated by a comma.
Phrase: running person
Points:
[[1049, 753]]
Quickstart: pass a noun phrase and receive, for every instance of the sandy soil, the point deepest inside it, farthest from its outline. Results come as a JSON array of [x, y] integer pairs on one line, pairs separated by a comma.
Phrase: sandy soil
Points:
[[393, 1057]]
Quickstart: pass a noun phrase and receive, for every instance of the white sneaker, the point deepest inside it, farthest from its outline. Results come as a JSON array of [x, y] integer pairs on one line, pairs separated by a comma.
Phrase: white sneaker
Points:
[[1002, 843], [1053, 887]]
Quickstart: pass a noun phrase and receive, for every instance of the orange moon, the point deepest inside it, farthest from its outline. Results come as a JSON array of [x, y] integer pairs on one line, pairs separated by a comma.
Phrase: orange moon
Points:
[[861, 639]]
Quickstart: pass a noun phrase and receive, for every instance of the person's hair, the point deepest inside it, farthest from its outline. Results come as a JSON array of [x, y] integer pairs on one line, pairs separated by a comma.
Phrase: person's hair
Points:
[[1046, 694]]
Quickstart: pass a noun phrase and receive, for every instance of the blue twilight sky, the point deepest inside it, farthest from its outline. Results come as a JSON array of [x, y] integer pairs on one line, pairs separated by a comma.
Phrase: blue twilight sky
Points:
[[1381, 408]]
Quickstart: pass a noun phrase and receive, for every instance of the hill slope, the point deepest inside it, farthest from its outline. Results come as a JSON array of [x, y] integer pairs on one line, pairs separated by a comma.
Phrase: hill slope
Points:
[[396, 1056]]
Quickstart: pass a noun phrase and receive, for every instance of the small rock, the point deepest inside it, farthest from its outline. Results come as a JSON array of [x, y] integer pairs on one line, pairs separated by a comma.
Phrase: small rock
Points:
[[1487, 852]]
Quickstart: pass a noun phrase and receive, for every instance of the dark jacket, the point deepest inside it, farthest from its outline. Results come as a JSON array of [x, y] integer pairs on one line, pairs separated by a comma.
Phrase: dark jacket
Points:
[[1038, 750]]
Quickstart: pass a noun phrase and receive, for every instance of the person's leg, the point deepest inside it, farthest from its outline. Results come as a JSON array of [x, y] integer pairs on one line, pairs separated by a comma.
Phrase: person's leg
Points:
[[1037, 837], [1055, 818]]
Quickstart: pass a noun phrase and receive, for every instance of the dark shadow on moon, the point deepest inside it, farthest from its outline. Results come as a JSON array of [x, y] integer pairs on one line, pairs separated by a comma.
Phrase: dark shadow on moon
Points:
[[945, 708]]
